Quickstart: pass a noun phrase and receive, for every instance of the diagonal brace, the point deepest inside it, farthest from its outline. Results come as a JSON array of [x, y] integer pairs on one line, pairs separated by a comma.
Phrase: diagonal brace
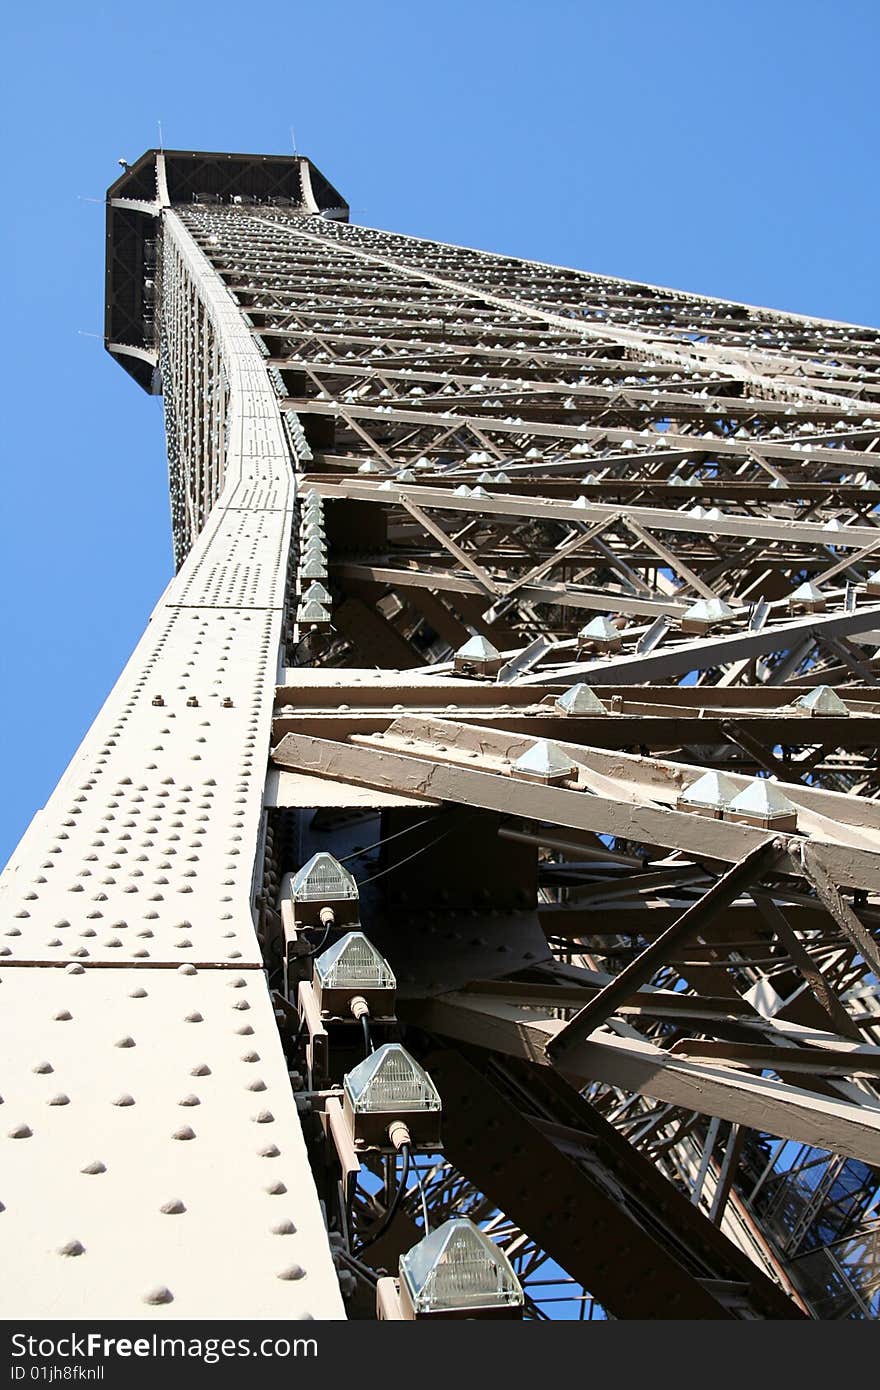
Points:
[[723, 892]]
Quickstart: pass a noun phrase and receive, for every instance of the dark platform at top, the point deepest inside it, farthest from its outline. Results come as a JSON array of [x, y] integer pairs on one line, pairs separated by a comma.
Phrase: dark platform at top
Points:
[[163, 178]]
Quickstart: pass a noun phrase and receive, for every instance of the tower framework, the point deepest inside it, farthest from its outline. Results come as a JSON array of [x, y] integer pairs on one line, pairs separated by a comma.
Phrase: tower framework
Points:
[[546, 604]]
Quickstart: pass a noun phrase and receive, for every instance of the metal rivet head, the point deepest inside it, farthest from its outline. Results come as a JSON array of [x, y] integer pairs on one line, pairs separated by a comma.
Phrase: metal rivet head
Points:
[[94, 1167], [173, 1207], [126, 1041], [59, 1099], [189, 1100], [159, 1294], [124, 1099], [185, 1132], [292, 1272], [20, 1132], [72, 1247], [284, 1228]]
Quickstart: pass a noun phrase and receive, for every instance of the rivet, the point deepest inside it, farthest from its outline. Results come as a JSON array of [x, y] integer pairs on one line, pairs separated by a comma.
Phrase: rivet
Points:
[[72, 1247], [189, 1100], [275, 1189], [42, 1068], [194, 1017], [284, 1228], [263, 1117], [59, 1099], [186, 969], [94, 1167], [291, 1272], [124, 1099], [173, 1207], [159, 1294], [270, 1151], [63, 1016], [20, 1132], [184, 1133], [124, 1042], [201, 1070]]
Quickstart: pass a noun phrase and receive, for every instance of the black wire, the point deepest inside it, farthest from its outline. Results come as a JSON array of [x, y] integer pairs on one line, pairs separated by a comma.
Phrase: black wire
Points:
[[316, 950], [424, 1202], [362, 882], [395, 1203], [363, 1270], [368, 1041], [386, 839]]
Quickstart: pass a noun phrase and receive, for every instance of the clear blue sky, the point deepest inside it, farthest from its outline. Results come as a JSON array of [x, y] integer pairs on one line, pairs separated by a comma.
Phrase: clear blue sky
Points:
[[725, 148]]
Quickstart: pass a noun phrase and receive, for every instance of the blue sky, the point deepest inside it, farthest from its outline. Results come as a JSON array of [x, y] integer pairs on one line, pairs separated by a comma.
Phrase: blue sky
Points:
[[723, 148]]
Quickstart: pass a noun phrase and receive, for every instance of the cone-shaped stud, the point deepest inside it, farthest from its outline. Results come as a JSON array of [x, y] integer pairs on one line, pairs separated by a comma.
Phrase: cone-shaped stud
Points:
[[822, 700], [477, 655], [808, 596], [704, 614], [709, 795], [599, 634], [580, 699], [544, 762], [763, 803]]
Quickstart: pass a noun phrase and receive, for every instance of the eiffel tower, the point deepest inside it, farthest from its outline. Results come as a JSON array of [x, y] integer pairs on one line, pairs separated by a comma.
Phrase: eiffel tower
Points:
[[485, 829]]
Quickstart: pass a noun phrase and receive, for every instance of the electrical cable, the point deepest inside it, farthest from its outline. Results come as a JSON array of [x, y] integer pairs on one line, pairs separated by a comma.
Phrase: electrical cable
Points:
[[422, 1195], [386, 839], [395, 1203], [368, 1041], [316, 950], [363, 1270], [415, 854]]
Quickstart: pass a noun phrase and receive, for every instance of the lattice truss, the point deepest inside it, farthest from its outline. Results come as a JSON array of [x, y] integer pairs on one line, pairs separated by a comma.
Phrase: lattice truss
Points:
[[586, 706]]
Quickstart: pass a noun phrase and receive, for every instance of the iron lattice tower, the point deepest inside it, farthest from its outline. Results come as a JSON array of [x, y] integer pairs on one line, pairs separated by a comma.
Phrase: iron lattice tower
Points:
[[587, 706]]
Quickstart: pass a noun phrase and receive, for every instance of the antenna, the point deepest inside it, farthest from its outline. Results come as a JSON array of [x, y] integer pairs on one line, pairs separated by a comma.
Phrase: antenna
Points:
[[161, 141], [293, 139]]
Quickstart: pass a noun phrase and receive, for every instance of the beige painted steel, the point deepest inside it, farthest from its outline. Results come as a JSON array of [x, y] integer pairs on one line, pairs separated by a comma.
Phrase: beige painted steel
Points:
[[144, 858], [150, 1143]]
